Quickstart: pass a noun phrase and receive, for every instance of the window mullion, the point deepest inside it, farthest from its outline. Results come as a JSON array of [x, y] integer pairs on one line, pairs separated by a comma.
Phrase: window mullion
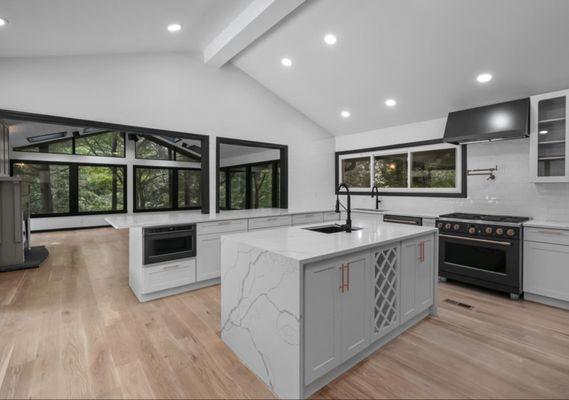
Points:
[[174, 188], [409, 166], [73, 188]]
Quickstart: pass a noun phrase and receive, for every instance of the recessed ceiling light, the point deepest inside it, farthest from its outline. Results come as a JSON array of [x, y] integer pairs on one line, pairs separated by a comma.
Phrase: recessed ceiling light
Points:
[[543, 132], [483, 78], [287, 62], [390, 102], [345, 114], [174, 27], [330, 39], [3, 21]]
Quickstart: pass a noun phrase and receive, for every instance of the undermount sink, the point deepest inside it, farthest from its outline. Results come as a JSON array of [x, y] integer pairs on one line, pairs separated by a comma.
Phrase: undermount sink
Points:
[[331, 228]]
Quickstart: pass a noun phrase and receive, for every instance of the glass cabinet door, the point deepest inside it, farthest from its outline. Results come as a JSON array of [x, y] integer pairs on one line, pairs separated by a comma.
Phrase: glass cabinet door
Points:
[[551, 157]]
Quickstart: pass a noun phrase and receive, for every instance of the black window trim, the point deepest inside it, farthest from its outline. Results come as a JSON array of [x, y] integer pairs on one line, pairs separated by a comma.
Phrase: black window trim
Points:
[[173, 188], [463, 190], [204, 139], [74, 187], [283, 152], [274, 184]]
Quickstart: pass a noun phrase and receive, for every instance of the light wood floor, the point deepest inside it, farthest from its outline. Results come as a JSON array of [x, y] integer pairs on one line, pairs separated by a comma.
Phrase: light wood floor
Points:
[[72, 328]]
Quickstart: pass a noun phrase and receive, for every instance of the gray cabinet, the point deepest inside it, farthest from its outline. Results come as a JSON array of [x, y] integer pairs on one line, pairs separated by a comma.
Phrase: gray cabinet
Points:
[[546, 270], [208, 257], [416, 277], [321, 319], [336, 305]]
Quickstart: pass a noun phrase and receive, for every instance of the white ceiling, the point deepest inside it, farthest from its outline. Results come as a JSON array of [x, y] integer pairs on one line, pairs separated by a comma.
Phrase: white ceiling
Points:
[[69, 27], [424, 54]]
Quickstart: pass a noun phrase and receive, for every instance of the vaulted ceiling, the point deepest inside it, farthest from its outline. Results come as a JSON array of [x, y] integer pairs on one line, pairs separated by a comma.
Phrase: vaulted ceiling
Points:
[[70, 27], [425, 54]]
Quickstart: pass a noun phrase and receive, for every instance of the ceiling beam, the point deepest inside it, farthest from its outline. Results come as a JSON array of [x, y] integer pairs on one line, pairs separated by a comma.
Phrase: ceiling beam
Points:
[[252, 23]]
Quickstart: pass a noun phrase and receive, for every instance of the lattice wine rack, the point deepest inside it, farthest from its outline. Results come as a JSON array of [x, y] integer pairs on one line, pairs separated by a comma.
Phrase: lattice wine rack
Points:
[[385, 289]]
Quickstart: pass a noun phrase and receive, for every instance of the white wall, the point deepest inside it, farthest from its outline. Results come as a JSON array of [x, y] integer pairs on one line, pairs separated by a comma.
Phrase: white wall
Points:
[[175, 92], [511, 192], [266, 155]]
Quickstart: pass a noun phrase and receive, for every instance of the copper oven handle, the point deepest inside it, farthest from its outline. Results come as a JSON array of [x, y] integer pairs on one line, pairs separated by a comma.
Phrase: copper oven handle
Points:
[[476, 240]]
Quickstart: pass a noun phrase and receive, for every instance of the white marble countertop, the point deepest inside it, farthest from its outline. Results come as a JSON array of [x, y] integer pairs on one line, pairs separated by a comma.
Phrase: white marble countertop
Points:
[[308, 246], [409, 213], [122, 221], [541, 223]]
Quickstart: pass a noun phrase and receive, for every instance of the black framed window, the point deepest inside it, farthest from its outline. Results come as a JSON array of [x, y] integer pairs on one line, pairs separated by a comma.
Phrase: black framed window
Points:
[[64, 189], [100, 144], [64, 146], [101, 188], [104, 144], [189, 188], [429, 168], [153, 148], [250, 186], [48, 188], [166, 188]]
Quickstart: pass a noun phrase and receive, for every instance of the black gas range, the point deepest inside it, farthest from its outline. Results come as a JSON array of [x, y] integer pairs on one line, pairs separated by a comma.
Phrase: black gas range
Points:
[[484, 250]]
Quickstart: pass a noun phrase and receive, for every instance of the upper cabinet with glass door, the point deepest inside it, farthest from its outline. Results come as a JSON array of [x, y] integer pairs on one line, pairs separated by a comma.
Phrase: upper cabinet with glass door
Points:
[[549, 145]]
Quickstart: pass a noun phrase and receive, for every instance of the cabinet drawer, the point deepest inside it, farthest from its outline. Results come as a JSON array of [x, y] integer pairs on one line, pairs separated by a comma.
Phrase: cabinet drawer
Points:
[[556, 236], [331, 216], [311, 218], [236, 225], [546, 271], [269, 222], [170, 275]]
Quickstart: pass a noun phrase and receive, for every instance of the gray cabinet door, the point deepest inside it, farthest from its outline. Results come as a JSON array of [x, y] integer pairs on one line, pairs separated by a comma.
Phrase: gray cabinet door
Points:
[[321, 320], [384, 290], [208, 257], [424, 282], [416, 276], [409, 261], [354, 306]]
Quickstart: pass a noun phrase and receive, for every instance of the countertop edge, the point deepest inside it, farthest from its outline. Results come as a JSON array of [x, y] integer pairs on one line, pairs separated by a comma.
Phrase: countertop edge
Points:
[[547, 224], [110, 220]]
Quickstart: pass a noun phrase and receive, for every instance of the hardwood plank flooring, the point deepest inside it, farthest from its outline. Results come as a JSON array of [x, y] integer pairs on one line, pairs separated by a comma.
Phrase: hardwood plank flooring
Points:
[[73, 329]]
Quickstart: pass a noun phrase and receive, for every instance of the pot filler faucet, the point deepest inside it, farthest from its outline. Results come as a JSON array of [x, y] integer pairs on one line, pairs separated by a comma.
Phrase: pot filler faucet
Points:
[[348, 225], [375, 191]]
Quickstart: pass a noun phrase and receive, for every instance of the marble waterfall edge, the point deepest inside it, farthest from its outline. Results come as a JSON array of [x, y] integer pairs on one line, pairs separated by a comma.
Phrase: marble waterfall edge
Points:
[[260, 313]]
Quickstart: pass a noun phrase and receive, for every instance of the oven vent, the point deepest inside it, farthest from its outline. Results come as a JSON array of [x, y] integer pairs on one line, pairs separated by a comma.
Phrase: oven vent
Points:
[[458, 303]]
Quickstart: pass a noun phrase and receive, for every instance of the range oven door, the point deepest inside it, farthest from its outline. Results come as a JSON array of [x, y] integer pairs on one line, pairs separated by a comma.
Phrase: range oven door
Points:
[[492, 260], [169, 243]]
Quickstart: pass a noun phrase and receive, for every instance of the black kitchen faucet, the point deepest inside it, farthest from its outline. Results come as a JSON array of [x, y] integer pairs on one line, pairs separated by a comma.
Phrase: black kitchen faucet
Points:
[[348, 225]]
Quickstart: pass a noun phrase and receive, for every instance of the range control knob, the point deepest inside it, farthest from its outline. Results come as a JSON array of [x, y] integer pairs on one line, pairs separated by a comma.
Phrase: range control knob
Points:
[[456, 227], [472, 230], [488, 230], [440, 225], [510, 232], [447, 226], [499, 231]]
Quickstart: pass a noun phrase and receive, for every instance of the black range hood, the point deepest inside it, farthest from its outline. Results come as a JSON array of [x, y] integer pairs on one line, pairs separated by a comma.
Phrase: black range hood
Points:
[[501, 121]]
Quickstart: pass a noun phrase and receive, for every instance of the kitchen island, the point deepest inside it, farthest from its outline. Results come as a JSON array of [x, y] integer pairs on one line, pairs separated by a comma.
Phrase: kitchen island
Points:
[[300, 307]]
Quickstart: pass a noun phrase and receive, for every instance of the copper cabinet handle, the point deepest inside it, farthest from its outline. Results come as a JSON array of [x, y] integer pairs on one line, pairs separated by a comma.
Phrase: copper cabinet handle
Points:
[[422, 251], [342, 272], [348, 275]]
